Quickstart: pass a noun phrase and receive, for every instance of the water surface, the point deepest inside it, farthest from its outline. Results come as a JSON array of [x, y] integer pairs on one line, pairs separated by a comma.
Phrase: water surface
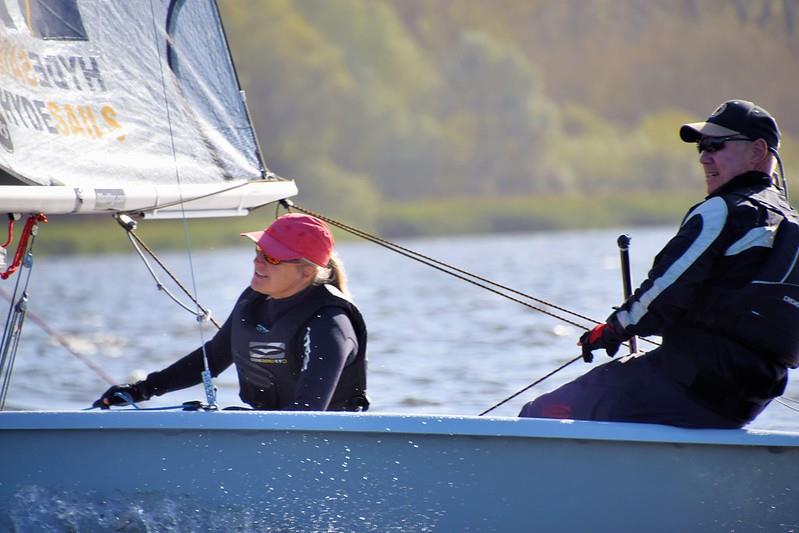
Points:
[[436, 344]]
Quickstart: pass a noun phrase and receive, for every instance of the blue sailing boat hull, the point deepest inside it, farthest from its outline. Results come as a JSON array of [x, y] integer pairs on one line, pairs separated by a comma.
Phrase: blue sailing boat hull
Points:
[[259, 471]]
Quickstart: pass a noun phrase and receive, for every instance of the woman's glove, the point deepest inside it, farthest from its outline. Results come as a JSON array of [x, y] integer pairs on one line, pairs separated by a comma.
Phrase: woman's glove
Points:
[[115, 395]]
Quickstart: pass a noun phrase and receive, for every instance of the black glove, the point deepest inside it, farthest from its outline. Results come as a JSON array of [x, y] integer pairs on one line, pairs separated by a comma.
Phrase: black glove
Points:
[[138, 392], [605, 336]]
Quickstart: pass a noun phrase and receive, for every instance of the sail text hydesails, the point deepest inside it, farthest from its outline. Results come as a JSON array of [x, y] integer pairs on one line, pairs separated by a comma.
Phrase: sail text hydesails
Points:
[[122, 94]]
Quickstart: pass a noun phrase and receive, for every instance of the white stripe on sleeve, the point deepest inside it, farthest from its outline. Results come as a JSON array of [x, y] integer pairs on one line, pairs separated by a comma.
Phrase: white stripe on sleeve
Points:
[[714, 215]]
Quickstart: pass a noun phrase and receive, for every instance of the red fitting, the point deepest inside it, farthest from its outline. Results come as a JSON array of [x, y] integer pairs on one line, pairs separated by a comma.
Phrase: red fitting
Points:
[[11, 221], [23, 242]]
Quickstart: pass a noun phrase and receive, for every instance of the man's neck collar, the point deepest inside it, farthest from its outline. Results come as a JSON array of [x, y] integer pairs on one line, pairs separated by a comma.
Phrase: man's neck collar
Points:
[[747, 179]]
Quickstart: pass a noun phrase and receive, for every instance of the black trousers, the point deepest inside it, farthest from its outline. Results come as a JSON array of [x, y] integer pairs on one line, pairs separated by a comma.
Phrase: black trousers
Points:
[[629, 389]]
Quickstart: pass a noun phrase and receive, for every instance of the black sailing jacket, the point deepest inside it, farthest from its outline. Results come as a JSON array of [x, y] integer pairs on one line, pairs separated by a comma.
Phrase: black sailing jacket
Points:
[[721, 244]]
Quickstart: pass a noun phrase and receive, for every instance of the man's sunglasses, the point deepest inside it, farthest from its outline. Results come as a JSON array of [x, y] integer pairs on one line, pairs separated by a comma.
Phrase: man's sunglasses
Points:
[[273, 261], [714, 144]]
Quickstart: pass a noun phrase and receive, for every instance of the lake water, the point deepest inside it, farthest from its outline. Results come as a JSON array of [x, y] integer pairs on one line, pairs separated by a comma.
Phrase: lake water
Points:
[[436, 345]]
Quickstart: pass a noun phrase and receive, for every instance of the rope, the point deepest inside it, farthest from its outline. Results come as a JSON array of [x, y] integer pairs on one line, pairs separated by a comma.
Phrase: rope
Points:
[[138, 244], [185, 406], [447, 269], [60, 339], [210, 390], [531, 385], [181, 201], [455, 271], [11, 220], [784, 401], [12, 331]]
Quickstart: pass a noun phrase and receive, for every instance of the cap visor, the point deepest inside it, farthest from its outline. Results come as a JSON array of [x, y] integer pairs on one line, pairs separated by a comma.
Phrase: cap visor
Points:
[[275, 248], [691, 133], [253, 235]]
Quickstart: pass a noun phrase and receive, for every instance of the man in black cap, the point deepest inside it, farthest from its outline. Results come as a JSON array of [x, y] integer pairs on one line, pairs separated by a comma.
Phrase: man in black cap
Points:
[[714, 367]]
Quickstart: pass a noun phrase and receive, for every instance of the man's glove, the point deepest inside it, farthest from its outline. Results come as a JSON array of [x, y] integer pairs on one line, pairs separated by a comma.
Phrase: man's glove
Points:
[[138, 392], [605, 336]]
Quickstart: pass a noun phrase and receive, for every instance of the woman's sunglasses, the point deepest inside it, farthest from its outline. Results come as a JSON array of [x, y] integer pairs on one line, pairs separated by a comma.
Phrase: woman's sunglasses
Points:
[[714, 144], [273, 261]]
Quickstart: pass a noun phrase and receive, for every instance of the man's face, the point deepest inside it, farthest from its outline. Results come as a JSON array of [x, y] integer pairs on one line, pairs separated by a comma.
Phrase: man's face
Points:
[[720, 166]]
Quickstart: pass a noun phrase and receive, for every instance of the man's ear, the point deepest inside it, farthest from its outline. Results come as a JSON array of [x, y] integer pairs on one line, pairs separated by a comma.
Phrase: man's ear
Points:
[[759, 150]]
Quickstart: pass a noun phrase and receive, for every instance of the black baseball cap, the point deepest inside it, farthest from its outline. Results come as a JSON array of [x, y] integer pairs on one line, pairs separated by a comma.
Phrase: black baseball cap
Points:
[[735, 117]]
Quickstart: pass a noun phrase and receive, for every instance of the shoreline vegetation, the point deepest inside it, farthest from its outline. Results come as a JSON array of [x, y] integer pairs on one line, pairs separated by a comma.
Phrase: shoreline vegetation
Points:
[[377, 108], [397, 220]]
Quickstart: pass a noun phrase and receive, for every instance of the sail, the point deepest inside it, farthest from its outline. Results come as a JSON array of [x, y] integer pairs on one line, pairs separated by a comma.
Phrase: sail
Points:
[[116, 92]]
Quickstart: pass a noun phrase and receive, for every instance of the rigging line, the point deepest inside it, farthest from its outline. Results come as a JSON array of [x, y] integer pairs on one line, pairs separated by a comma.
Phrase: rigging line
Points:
[[182, 200], [210, 391], [786, 404], [62, 340], [12, 335], [787, 399], [531, 385], [456, 272], [8, 329], [11, 219], [432, 263], [128, 227], [397, 247], [9, 317], [204, 314], [270, 176]]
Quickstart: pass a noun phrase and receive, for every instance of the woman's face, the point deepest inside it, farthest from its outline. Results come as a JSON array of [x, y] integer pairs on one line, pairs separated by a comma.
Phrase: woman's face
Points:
[[281, 280]]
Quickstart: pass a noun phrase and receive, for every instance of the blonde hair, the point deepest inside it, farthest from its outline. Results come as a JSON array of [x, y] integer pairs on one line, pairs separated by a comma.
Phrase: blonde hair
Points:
[[333, 274]]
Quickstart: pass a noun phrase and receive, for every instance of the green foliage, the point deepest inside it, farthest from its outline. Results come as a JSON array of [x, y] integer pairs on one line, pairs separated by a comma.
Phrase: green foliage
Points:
[[337, 192], [369, 102], [598, 156], [531, 213], [498, 95]]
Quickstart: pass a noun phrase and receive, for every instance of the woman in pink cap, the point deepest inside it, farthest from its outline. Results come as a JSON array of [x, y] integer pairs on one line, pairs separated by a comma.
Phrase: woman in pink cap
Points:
[[297, 341]]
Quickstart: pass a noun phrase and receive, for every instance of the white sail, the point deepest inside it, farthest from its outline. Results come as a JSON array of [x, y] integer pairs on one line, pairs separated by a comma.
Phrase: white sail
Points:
[[108, 94]]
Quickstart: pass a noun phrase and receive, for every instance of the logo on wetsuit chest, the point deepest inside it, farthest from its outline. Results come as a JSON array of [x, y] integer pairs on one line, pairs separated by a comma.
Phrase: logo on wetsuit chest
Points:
[[268, 352]]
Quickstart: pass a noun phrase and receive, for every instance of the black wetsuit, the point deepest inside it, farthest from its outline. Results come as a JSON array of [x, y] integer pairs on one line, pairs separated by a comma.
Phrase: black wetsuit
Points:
[[700, 376], [315, 357]]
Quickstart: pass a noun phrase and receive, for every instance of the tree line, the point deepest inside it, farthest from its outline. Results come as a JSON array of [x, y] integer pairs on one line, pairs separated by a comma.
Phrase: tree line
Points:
[[365, 102]]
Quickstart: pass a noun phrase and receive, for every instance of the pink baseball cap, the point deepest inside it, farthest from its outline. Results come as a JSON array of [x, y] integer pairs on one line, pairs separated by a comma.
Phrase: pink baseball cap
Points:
[[295, 236]]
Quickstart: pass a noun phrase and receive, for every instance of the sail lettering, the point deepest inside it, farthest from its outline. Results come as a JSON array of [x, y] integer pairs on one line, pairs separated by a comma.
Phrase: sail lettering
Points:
[[12, 61], [110, 115], [26, 112], [55, 72], [11, 104], [82, 119], [71, 120], [70, 73], [42, 78], [91, 73], [59, 118]]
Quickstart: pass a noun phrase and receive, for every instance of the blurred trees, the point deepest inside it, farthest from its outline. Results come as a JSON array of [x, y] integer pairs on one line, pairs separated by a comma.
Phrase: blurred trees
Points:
[[364, 101]]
